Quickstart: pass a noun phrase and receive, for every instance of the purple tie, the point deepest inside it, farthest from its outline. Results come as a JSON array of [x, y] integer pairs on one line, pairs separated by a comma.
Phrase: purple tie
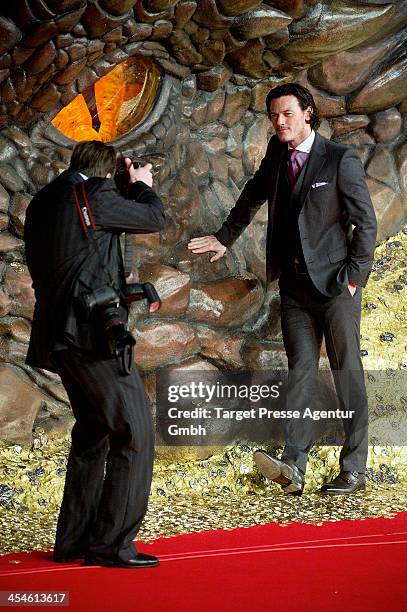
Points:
[[296, 160]]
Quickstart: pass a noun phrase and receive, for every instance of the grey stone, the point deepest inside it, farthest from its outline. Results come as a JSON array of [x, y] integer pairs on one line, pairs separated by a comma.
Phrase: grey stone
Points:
[[183, 50], [328, 105], [10, 179], [295, 8], [162, 29], [20, 403], [97, 22], [183, 12], [207, 14], [402, 165], [10, 35], [382, 168], [278, 39], [189, 86], [356, 138], [4, 199], [321, 32], [255, 144], [237, 7], [46, 98], [213, 79], [325, 129], [349, 123], [17, 212], [7, 150], [385, 89], [259, 22], [248, 60], [228, 303], [63, 40], [117, 7], [389, 207], [234, 141], [9, 243], [76, 51], [236, 103], [345, 72], [7, 90], [386, 125], [41, 59]]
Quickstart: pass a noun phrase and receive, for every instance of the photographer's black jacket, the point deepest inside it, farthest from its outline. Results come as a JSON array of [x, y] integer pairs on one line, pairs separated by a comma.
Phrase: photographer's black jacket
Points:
[[63, 261]]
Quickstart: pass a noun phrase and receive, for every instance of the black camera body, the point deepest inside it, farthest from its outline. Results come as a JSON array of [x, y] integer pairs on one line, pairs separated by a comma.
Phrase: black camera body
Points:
[[105, 301], [122, 176]]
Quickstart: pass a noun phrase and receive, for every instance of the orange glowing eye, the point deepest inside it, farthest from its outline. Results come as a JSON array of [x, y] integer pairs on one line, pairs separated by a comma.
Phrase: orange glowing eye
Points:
[[114, 104]]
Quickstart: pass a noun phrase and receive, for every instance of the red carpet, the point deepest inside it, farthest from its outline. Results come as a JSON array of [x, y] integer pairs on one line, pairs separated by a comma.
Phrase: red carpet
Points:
[[342, 566]]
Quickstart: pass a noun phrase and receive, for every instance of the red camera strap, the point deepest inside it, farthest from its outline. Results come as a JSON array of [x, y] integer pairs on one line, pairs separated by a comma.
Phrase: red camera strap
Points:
[[89, 227], [85, 213]]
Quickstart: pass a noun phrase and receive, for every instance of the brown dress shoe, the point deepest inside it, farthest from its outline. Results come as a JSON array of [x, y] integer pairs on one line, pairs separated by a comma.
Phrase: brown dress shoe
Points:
[[285, 474], [345, 483]]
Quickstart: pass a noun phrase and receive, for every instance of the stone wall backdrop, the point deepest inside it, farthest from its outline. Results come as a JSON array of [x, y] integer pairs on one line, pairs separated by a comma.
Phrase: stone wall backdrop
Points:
[[206, 133], [205, 129]]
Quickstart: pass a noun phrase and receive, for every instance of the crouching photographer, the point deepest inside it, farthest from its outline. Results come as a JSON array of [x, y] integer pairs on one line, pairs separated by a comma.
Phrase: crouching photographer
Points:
[[79, 330]]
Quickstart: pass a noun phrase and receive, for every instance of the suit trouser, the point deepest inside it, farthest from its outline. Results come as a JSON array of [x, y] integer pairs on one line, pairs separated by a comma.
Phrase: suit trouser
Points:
[[306, 317], [103, 512]]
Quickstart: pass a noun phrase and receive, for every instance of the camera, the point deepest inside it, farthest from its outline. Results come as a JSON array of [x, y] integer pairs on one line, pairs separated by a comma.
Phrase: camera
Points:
[[122, 177], [106, 301]]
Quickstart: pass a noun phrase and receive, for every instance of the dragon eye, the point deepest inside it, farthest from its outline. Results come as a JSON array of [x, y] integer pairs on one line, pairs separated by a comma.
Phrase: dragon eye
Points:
[[114, 104]]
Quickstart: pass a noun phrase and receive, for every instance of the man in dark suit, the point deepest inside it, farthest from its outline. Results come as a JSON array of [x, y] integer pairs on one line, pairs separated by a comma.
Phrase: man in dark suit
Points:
[[100, 514], [320, 240]]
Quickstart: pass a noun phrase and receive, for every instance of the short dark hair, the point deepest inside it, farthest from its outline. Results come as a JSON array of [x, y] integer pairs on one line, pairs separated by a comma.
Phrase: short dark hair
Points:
[[93, 158], [303, 95]]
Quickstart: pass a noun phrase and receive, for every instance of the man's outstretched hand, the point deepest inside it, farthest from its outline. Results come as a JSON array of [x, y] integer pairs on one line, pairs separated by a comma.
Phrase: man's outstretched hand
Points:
[[205, 244]]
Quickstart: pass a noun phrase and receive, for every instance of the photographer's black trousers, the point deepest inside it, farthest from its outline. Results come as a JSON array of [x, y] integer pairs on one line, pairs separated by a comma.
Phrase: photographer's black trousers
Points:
[[102, 513]]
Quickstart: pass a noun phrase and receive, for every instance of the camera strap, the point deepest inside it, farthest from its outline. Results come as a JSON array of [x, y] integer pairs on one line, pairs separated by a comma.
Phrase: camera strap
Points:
[[123, 348], [89, 227], [128, 256]]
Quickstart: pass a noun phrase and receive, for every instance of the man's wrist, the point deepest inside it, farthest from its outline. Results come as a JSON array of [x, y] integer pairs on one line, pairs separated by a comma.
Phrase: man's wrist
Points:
[[220, 236]]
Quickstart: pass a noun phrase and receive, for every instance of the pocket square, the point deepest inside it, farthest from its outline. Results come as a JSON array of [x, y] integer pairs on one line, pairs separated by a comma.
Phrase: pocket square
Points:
[[315, 185]]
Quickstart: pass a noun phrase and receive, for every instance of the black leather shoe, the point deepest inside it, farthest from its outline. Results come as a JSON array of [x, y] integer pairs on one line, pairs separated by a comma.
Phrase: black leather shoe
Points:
[[58, 558], [345, 483], [284, 473], [140, 560]]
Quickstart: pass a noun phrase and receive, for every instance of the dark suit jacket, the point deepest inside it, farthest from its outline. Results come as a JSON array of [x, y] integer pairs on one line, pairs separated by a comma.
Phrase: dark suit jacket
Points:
[[63, 261], [334, 252]]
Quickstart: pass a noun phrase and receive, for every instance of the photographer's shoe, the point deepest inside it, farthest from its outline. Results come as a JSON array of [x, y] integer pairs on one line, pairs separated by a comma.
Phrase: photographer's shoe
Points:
[[285, 474], [344, 484], [139, 561]]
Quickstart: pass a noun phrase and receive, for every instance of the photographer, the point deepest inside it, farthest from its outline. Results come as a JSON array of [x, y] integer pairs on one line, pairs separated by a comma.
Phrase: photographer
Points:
[[72, 244]]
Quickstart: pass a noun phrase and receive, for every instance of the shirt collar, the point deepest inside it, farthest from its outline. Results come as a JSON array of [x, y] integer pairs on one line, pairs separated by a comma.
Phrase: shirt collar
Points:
[[83, 176], [306, 145]]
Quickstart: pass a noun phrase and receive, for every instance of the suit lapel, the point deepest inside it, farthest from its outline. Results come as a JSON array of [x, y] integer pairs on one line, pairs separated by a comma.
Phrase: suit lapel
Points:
[[316, 162]]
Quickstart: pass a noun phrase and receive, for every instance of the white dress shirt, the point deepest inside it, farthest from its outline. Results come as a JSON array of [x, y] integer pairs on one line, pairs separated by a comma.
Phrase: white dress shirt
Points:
[[306, 145]]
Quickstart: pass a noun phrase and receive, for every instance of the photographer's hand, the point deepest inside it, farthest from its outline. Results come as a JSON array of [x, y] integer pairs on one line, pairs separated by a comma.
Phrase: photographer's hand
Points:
[[140, 174]]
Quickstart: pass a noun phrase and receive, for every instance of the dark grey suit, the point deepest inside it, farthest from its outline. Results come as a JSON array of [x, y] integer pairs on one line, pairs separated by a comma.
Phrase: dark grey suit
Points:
[[100, 513], [328, 219], [333, 253]]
